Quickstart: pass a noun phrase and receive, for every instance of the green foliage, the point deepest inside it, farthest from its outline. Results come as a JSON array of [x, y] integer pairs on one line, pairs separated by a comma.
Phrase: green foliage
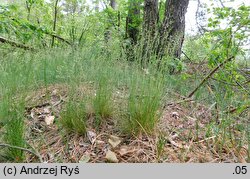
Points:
[[228, 40]]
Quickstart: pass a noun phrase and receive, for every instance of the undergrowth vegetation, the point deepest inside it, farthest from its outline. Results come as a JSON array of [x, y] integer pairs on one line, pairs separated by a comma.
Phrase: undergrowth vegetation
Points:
[[101, 91]]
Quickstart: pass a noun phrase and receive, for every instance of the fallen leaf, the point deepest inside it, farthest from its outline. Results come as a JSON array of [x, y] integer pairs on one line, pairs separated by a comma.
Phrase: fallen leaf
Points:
[[114, 141], [111, 157], [91, 136], [49, 120], [85, 158], [126, 150]]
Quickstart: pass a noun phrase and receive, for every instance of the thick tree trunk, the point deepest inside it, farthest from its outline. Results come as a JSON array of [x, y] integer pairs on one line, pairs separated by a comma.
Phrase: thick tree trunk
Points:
[[173, 29], [151, 17]]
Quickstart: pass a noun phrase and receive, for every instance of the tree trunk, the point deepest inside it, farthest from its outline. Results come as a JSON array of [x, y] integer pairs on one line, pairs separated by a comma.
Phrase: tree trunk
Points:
[[113, 4], [150, 28], [151, 17], [173, 29]]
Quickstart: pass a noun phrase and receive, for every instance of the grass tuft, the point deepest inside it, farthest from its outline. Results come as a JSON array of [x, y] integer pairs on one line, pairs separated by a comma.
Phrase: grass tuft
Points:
[[73, 118]]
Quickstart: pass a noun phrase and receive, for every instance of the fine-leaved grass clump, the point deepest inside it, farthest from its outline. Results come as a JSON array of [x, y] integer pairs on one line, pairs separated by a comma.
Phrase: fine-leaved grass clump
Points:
[[14, 132], [144, 103], [102, 102], [73, 117]]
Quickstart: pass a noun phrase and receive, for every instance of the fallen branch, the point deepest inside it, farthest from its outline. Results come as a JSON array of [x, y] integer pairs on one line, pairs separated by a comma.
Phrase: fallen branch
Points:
[[209, 76], [23, 149], [15, 44]]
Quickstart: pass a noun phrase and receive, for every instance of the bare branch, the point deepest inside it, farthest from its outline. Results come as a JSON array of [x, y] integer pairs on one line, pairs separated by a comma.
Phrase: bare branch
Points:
[[209, 76]]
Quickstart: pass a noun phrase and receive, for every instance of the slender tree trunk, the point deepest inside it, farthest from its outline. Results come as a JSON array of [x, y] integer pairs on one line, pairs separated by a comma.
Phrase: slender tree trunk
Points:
[[55, 21], [173, 29]]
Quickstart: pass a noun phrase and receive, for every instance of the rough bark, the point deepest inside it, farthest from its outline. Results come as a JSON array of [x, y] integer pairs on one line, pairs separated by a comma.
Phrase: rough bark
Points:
[[150, 28], [173, 28], [151, 16]]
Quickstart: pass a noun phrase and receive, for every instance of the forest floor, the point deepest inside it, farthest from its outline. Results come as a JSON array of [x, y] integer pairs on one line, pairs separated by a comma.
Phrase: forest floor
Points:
[[180, 137]]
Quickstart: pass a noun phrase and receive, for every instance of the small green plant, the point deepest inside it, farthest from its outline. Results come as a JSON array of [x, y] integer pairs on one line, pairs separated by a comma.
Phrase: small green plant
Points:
[[73, 118], [102, 102], [160, 146]]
